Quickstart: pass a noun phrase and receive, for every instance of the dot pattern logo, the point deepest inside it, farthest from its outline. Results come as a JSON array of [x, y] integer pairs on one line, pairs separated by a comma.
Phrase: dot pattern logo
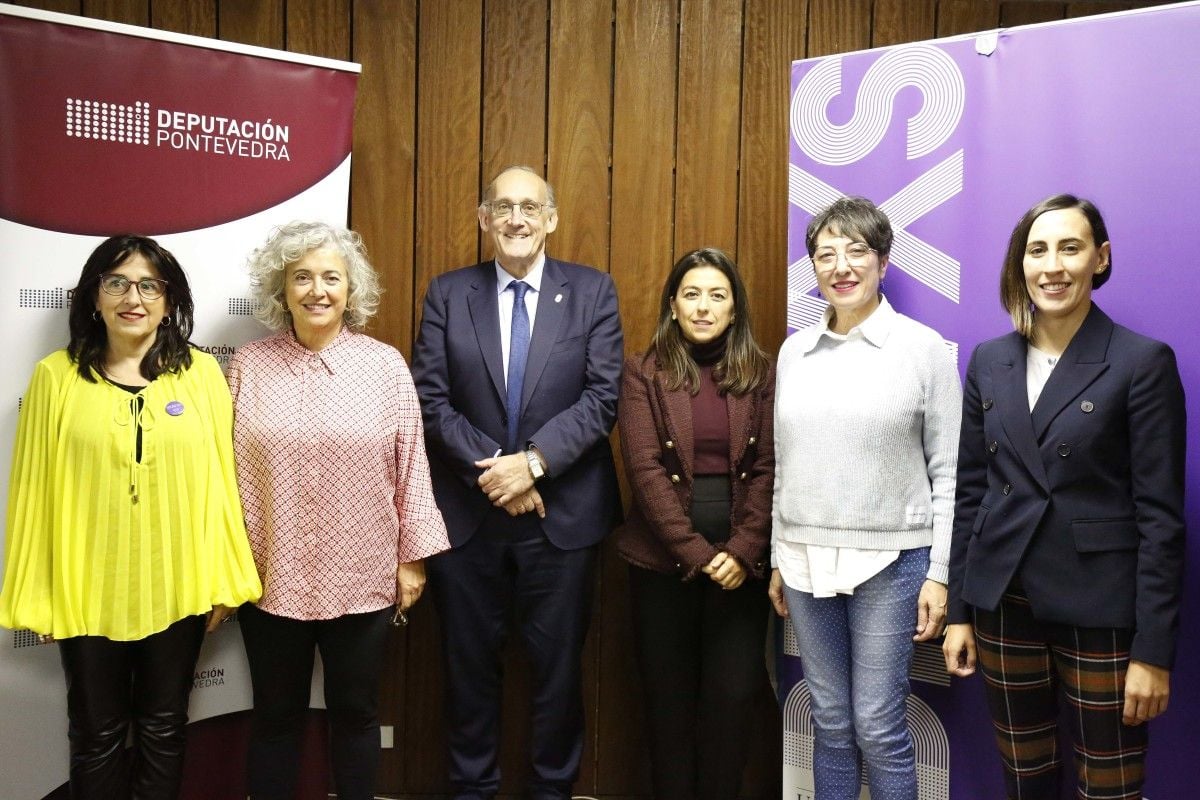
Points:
[[41, 298], [241, 306], [109, 122]]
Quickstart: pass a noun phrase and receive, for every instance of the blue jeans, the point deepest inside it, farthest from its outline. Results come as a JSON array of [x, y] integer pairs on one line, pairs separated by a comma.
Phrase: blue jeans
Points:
[[856, 650]]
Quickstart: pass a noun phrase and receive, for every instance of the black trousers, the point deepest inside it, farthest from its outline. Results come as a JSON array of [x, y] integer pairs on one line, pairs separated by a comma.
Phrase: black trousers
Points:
[[700, 652], [111, 684], [280, 654]]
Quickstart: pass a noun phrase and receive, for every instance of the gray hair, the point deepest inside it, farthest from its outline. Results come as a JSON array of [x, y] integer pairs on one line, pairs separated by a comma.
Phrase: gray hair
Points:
[[489, 191], [288, 244]]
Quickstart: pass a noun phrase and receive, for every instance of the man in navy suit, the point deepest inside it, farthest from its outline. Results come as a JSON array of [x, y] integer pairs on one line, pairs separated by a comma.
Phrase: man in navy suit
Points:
[[518, 365]]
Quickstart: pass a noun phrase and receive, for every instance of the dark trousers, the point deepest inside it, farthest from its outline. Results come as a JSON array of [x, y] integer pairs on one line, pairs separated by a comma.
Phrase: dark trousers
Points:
[[509, 564], [280, 654], [1029, 667], [700, 653], [109, 685]]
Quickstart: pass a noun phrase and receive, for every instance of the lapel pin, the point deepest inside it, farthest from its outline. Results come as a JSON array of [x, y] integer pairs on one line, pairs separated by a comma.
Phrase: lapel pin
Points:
[[558, 298], [174, 408], [1086, 406]]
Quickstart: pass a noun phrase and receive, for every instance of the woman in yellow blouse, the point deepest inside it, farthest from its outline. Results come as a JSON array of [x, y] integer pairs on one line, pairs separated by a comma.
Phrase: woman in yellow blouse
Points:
[[124, 530]]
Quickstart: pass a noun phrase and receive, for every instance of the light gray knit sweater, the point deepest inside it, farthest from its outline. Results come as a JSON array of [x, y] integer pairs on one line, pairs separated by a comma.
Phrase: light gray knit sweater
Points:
[[866, 438]]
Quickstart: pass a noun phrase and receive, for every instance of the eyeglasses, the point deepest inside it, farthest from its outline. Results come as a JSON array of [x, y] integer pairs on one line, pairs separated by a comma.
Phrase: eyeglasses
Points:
[[503, 208], [856, 256], [118, 285]]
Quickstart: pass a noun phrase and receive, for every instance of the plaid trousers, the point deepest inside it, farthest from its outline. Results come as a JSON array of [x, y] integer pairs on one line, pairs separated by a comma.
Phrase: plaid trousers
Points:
[[1027, 665]]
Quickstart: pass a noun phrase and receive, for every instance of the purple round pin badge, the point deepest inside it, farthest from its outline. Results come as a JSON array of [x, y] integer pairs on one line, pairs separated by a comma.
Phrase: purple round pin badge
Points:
[[174, 408]]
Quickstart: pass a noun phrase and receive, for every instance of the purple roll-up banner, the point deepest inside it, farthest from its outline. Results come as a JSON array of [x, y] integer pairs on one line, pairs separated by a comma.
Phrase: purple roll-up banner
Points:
[[954, 139]]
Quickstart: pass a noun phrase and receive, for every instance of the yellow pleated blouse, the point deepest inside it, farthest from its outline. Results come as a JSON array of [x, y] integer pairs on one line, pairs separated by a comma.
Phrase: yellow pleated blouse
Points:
[[101, 543]]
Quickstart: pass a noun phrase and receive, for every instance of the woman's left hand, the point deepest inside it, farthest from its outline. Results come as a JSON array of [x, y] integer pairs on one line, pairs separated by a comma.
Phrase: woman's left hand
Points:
[[931, 611], [725, 570], [1147, 688], [410, 582], [217, 616]]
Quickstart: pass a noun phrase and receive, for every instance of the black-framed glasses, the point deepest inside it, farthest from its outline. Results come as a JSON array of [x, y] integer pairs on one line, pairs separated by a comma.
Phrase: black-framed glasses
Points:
[[502, 208], [118, 285]]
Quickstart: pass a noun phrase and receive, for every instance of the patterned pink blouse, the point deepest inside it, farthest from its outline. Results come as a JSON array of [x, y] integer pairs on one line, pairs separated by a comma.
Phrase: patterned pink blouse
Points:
[[332, 471]]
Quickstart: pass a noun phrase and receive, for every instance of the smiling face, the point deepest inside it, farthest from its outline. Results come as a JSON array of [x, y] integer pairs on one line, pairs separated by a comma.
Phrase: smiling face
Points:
[[315, 288], [850, 284], [1061, 256], [703, 305], [131, 317], [518, 239]]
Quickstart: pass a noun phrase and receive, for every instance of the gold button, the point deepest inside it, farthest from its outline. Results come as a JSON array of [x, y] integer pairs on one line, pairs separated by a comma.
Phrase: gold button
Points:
[[674, 479], [742, 476], [670, 444], [753, 439]]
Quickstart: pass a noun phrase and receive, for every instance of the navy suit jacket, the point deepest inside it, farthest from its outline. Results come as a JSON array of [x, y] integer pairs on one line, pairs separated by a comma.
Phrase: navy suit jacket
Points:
[[1082, 499], [568, 404]]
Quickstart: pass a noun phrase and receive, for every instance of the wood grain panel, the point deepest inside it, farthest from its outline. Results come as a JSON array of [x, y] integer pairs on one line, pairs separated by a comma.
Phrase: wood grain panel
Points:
[[130, 12], [515, 77], [641, 245], [259, 23], [1013, 14], [319, 28], [579, 133], [967, 16], [383, 171], [709, 114], [449, 36], [61, 6], [1096, 7], [774, 37], [194, 17], [902, 21], [643, 181], [382, 185], [838, 26]]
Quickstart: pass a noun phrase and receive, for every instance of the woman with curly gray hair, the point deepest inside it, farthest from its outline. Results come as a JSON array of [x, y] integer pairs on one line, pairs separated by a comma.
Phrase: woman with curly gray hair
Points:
[[336, 492]]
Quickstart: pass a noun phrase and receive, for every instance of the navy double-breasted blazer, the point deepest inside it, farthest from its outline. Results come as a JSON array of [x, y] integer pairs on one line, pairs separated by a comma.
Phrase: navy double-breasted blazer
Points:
[[1082, 499], [568, 403]]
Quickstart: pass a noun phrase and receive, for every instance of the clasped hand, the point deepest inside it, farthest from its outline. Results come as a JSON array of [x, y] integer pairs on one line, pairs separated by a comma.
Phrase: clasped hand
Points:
[[507, 482]]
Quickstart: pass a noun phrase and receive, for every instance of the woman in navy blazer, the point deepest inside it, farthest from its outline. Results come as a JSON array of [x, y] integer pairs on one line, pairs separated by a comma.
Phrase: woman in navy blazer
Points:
[[1067, 558]]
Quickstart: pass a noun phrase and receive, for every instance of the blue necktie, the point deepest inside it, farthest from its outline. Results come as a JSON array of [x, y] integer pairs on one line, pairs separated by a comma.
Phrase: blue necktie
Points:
[[518, 354]]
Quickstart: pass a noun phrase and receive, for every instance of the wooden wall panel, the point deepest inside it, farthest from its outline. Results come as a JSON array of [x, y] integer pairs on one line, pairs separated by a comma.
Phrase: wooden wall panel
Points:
[[383, 168], [61, 6], [194, 17], [318, 27], [708, 141], [900, 21], [838, 26], [130, 12], [967, 16], [259, 23], [641, 243], [774, 38], [579, 132], [1013, 14]]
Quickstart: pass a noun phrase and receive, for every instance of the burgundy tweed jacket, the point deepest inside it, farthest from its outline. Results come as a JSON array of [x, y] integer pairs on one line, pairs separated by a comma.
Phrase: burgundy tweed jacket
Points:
[[657, 448]]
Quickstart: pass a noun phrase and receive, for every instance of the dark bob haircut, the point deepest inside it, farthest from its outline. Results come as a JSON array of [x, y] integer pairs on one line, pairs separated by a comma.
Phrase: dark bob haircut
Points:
[[855, 218], [171, 351], [1014, 295]]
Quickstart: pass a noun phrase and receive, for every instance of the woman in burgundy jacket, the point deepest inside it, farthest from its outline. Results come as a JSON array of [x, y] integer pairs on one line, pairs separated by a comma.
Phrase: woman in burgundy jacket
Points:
[[696, 416]]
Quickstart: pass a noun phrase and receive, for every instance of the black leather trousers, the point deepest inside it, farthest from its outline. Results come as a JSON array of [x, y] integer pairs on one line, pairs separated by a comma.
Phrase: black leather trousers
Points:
[[113, 684]]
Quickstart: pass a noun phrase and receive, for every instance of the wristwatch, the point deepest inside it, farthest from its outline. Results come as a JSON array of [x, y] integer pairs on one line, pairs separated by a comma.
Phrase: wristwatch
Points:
[[535, 465]]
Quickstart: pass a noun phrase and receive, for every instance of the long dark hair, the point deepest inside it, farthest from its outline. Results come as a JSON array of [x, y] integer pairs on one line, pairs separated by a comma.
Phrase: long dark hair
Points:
[[743, 367], [89, 336], [1014, 294]]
